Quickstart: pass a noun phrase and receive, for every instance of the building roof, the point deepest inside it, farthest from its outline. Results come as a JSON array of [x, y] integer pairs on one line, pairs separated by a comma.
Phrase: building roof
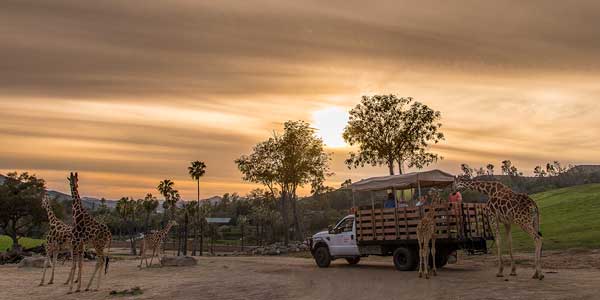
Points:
[[218, 220]]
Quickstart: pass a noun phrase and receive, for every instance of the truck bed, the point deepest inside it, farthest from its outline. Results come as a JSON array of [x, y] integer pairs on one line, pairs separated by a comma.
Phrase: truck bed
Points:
[[464, 223]]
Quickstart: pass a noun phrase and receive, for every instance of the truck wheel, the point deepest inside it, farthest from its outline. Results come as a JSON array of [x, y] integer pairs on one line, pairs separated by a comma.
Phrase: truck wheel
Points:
[[322, 257], [405, 259], [441, 260], [353, 260]]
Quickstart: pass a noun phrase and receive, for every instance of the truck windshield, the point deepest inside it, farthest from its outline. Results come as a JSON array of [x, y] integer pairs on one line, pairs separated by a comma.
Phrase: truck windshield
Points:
[[345, 225]]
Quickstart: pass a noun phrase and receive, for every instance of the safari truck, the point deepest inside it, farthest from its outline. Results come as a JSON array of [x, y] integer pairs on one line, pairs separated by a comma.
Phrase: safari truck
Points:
[[373, 229]]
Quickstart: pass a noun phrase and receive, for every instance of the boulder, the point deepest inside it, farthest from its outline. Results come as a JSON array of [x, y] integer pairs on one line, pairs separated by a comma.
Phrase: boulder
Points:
[[178, 261], [33, 262]]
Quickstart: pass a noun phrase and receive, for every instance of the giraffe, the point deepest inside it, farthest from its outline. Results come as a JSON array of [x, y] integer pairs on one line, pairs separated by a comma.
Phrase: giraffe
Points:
[[426, 233], [58, 238], [87, 231], [154, 241], [507, 207]]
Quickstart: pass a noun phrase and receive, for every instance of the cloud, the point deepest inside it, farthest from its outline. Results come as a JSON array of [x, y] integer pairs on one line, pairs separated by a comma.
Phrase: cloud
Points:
[[137, 89]]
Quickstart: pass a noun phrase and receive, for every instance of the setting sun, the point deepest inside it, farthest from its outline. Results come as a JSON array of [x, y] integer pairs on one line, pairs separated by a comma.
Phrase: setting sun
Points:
[[330, 123]]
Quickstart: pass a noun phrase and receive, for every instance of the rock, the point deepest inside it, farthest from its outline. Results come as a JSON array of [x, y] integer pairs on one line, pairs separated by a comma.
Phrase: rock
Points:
[[178, 261], [33, 262]]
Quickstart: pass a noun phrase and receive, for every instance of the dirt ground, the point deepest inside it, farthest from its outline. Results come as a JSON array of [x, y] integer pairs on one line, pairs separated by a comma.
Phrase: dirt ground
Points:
[[572, 274]]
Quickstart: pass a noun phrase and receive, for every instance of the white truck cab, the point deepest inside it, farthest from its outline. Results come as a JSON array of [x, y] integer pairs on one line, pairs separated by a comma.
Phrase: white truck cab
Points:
[[337, 242]]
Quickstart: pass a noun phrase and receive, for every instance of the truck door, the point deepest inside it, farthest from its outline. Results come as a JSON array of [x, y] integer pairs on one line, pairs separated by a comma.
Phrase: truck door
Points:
[[344, 243]]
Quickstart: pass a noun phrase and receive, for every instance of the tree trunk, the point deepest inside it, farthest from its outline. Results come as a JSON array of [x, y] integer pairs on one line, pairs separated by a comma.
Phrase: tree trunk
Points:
[[185, 233], [242, 237], [13, 235], [201, 238], [284, 216], [391, 166], [197, 220], [400, 165], [297, 229], [194, 244]]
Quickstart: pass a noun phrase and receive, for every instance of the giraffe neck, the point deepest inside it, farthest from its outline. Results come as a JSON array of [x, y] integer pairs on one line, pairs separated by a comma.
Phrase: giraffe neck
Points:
[[51, 216], [488, 188], [167, 229]]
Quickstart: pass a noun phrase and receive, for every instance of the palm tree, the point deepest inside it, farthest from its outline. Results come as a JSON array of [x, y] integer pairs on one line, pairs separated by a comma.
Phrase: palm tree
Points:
[[149, 205], [196, 170], [171, 195]]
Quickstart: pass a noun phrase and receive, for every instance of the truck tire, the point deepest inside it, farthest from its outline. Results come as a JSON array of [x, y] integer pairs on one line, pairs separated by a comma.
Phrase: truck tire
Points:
[[353, 260], [405, 259], [441, 260], [322, 257]]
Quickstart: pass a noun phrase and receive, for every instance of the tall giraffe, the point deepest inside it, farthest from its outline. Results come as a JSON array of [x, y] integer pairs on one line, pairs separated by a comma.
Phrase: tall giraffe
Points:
[[506, 207], [154, 242], [59, 237], [426, 233], [86, 230]]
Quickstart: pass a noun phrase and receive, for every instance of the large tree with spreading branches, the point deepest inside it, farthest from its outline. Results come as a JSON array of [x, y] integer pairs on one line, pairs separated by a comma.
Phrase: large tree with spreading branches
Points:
[[285, 162], [389, 130]]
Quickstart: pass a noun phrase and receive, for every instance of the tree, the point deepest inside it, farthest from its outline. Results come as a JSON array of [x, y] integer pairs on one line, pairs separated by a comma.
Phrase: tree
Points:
[[539, 172], [127, 209], [196, 170], [346, 183], [490, 169], [20, 205], [288, 161], [149, 205], [388, 129], [480, 171], [166, 188]]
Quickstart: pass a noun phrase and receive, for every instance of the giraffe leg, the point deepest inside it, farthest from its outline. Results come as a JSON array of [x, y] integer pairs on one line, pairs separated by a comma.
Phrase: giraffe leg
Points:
[[152, 257], [537, 239], [80, 266], [495, 227], [45, 263], [433, 256], [99, 260], [420, 257], [102, 264], [513, 267], [75, 261], [426, 258], [53, 263], [142, 252]]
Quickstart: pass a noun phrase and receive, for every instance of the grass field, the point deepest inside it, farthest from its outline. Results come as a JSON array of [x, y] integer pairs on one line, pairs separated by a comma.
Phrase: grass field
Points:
[[570, 218], [25, 242]]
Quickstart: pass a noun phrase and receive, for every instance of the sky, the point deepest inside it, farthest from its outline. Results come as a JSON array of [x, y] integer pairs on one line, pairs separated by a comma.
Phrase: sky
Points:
[[127, 93]]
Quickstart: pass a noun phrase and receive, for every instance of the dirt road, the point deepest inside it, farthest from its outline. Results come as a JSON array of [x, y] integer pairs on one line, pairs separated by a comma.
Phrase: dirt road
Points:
[[298, 278]]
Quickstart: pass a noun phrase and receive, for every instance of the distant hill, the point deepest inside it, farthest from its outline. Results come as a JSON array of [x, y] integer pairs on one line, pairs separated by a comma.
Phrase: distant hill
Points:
[[569, 218]]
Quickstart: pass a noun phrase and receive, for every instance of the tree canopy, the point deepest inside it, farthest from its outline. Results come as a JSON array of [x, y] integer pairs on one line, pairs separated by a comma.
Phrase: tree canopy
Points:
[[389, 130], [21, 204], [285, 162]]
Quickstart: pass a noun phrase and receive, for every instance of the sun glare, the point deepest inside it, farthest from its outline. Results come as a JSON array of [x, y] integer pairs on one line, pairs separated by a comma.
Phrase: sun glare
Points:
[[330, 123]]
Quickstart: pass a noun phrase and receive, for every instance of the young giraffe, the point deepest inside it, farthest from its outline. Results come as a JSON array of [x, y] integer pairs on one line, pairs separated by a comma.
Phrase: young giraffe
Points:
[[59, 238], [86, 230], [507, 207], [154, 241], [426, 233]]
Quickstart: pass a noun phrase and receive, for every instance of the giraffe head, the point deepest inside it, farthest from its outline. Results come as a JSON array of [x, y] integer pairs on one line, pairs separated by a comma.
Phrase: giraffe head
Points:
[[73, 180], [173, 223]]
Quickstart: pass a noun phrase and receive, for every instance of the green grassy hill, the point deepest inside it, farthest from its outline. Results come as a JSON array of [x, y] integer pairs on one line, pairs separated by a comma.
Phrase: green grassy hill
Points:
[[570, 218], [6, 242]]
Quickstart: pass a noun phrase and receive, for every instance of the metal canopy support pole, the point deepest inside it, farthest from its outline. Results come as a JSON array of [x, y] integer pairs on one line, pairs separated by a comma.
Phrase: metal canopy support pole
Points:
[[373, 224]]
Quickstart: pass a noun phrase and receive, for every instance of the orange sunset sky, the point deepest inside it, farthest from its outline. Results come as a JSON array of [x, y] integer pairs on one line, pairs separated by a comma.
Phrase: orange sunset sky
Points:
[[129, 92]]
